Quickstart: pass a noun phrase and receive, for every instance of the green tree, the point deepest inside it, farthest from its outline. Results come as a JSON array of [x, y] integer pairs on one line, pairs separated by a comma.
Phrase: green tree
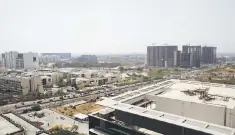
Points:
[[139, 69], [74, 128], [36, 107], [121, 69]]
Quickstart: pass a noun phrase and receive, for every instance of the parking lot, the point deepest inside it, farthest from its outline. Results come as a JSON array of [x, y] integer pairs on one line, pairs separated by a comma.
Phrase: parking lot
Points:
[[52, 118]]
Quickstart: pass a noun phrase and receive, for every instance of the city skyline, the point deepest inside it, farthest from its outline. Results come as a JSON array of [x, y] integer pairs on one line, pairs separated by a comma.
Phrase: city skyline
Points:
[[114, 27]]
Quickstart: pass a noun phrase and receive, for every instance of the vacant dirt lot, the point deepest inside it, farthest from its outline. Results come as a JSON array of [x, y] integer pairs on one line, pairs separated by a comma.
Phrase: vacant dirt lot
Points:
[[86, 108]]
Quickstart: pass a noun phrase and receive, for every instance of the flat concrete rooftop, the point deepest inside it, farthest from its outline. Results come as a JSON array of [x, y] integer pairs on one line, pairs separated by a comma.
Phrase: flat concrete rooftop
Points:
[[6, 127], [28, 127], [221, 94], [142, 91], [169, 118]]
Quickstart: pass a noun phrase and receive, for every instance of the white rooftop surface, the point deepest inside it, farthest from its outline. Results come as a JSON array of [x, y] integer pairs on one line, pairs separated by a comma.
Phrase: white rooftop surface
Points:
[[53, 118], [142, 91], [177, 87], [28, 127], [6, 127], [169, 118], [81, 116]]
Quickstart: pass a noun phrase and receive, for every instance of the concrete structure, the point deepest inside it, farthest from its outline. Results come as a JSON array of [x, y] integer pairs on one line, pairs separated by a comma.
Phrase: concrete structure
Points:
[[177, 57], [195, 53], [129, 119], [186, 60], [112, 78], [31, 60], [29, 129], [98, 81], [209, 102], [169, 107], [8, 127], [15, 60], [20, 84], [80, 81], [49, 59], [52, 118], [208, 55], [48, 77], [93, 77], [2, 65], [46, 81], [161, 56], [61, 55]]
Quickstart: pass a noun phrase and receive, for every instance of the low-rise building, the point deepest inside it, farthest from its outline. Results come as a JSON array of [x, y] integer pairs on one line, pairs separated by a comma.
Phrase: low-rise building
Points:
[[20, 84], [112, 78], [98, 81]]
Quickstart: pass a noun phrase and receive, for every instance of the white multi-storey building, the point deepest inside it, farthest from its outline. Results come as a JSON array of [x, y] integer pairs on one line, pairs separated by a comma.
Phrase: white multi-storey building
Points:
[[15, 60], [31, 60], [49, 58]]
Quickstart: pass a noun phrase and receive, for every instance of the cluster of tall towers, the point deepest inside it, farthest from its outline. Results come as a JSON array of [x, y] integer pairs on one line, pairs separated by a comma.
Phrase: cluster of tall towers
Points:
[[190, 56]]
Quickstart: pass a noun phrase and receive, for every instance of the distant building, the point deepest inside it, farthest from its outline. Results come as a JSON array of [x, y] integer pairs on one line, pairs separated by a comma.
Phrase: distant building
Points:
[[49, 58], [61, 55], [177, 57], [88, 58], [161, 56], [208, 55], [2, 65], [195, 54], [186, 60], [15, 60]]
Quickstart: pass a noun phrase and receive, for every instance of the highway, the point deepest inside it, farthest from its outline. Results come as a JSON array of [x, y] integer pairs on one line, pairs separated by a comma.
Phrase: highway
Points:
[[70, 98]]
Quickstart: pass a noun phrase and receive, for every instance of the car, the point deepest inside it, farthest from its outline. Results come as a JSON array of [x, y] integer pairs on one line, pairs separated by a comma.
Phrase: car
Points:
[[30, 115], [39, 102]]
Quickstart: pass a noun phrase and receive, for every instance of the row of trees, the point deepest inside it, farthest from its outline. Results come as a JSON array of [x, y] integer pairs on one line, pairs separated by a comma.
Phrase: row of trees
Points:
[[86, 65], [122, 69]]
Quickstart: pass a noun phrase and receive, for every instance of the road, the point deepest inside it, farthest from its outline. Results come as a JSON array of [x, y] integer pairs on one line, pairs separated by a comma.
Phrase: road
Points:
[[56, 101]]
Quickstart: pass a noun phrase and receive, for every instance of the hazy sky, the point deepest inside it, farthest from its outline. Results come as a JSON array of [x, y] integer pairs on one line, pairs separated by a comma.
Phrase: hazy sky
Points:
[[114, 26]]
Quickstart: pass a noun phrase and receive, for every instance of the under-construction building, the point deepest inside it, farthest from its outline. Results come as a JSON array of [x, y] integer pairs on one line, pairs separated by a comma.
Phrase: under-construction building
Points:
[[195, 53], [161, 56], [208, 55]]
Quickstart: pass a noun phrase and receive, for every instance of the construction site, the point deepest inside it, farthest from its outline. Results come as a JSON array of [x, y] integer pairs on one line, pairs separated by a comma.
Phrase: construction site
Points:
[[86, 108], [224, 75]]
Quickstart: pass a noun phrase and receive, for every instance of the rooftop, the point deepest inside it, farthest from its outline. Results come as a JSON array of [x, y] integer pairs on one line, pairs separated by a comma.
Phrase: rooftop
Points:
[[169, 118], [24, 124], [217, 94], [6, 127]]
